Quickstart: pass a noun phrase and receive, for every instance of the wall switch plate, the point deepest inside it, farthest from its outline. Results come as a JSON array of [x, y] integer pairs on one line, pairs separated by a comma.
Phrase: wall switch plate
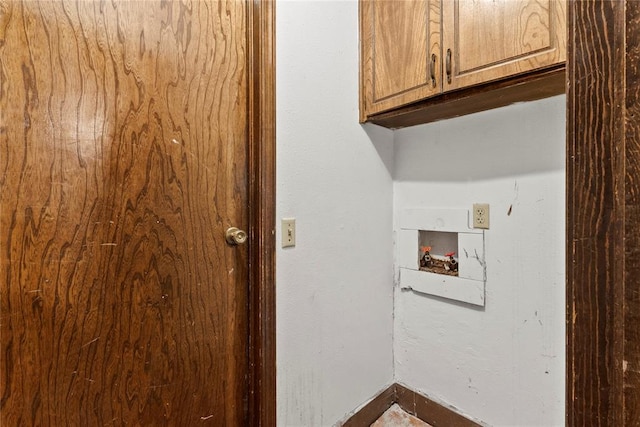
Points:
[[288, 232], [481, 215]]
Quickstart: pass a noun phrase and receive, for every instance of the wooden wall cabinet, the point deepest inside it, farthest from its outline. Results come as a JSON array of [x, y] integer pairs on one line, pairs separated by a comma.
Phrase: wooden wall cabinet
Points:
[[401, 54], [416, 50]]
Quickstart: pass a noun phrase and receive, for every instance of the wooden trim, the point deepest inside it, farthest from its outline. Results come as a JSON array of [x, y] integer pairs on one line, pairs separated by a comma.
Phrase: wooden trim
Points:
[[528, 87], [631, 216], [603, 214], [370, 412], [411, 402], [262, 329], [427, 410], [593, 396]]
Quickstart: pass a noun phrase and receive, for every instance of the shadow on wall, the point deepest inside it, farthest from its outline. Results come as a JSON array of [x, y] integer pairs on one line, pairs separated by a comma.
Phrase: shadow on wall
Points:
[[382, 140], [516, 140]]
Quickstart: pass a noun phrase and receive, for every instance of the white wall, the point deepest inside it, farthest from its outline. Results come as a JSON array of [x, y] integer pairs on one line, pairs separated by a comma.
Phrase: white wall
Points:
[[335, 288], [503, 364]]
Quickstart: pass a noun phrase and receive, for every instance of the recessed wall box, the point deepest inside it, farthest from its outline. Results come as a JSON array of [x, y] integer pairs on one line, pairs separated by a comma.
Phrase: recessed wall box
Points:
[[440, 254]]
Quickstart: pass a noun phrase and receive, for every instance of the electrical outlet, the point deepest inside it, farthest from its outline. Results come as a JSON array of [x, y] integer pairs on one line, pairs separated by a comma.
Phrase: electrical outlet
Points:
[[481, 215], [288, 232]]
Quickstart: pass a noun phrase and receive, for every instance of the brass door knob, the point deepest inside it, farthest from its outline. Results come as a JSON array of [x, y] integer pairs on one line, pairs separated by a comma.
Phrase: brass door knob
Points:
[[235, 236]]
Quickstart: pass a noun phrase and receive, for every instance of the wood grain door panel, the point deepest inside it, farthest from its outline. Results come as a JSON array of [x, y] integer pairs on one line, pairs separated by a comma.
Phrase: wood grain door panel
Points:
[[489, 40], [400, 41], [123, 129]]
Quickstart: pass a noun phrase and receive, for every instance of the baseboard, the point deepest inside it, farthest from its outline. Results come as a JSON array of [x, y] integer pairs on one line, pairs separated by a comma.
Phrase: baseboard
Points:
[[410, 401], [373, 410], [431, 412]]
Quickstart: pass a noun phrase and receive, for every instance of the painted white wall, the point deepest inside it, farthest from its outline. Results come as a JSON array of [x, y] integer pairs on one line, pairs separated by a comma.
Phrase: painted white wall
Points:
[[503, 364], [334, 290]]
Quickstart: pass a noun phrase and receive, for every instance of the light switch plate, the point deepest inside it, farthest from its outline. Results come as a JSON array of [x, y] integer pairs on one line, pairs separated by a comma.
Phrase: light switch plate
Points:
[[288, 232]]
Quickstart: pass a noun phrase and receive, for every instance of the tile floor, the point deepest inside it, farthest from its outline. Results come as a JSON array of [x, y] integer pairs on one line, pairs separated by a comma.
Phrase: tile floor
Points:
[[396, 417]]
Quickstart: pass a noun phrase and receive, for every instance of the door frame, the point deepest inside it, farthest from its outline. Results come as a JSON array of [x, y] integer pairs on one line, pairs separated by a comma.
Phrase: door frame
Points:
[[603, 213], [262, 325]]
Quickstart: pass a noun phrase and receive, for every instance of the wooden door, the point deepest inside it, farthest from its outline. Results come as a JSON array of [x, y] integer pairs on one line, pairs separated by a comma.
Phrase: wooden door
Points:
[[123, 159], [488, 40], [400, 54]]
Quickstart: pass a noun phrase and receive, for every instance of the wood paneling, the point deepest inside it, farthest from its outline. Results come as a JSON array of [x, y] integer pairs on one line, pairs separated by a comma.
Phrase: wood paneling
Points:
[[490, 40], [603, 218], [123, 134], [400, 40]]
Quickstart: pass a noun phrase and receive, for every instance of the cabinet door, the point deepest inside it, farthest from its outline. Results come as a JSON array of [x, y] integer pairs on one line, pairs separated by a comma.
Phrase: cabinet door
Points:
[[491, 39], [400, 53]]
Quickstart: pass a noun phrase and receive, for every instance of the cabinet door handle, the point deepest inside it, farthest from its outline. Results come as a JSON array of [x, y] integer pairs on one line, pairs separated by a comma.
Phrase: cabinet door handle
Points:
[[448, 66], [432, 69]]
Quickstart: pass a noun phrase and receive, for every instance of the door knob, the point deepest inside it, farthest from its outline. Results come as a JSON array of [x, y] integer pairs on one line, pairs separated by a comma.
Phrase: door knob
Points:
[[235, 236]]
